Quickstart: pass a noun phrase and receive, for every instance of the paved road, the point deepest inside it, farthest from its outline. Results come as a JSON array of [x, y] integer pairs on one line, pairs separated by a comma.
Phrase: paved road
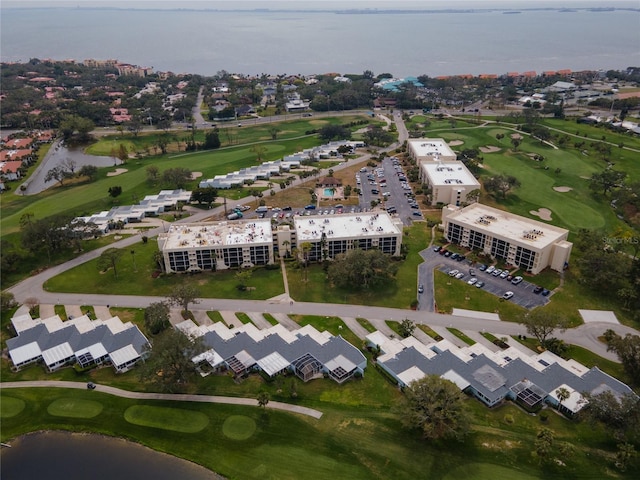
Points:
[[176, 397], [585, 335]]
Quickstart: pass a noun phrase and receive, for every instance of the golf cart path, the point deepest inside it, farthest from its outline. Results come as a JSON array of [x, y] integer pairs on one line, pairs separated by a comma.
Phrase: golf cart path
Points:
[[250, 402]]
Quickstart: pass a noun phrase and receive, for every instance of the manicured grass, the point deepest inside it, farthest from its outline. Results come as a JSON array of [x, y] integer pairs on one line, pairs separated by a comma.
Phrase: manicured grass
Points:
[[269, 318], [429, 331], [357, 438], [215, 316], [74, 407], [243, 317], [452, 293], [461, 336], [366, 324], [238, 427], [399, 293], [10, 407], [174, 419], [87, 278]]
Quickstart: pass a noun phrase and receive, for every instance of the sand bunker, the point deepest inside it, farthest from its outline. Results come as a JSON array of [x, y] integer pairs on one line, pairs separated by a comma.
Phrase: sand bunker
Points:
[[195, 175], [516, 136], [562, 189], [489, 149], [455, 143], [543, 213], [118, 171]]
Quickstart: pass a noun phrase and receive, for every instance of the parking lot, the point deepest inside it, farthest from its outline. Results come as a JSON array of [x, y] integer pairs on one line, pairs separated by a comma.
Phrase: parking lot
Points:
[[523, 293], [388, 184]]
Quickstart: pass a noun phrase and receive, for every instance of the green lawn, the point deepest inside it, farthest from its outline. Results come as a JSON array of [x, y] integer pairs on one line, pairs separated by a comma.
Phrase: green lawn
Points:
[[399, 293]]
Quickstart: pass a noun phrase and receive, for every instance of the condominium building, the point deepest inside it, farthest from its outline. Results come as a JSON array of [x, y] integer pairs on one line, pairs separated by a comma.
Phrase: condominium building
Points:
[[528, 244], [248, 243], [430, 149], [331, 235], [217, 245], [450, 182]]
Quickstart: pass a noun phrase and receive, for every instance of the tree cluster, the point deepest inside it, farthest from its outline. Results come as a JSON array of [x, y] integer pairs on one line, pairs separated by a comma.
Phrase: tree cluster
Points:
[[501, 184], [360, 269]]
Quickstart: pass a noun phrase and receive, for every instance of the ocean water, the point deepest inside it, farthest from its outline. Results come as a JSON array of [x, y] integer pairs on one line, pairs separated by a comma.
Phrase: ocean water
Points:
[[305, 38]]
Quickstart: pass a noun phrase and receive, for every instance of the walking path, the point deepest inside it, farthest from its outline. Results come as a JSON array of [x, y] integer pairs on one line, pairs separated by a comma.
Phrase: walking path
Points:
[[176, 397]]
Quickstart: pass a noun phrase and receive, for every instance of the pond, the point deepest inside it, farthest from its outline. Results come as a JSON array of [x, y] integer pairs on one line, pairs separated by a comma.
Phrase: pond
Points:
[[69, 456]]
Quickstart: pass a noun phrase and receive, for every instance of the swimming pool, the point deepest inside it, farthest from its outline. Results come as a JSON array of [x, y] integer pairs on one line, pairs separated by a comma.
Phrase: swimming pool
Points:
[[328, 192]]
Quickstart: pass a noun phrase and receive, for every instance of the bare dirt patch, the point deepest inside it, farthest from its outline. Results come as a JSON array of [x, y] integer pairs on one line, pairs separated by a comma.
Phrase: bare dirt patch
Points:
[[195, 175], [562, 189], [117, 171], [516, 136], [490, 149], [543, 213], [455, 143]]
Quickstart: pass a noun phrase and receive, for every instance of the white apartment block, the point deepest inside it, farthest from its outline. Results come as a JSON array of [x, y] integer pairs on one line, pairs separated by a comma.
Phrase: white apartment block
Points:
[[450, 182], [248, 243], [528, 244], [430, 149]]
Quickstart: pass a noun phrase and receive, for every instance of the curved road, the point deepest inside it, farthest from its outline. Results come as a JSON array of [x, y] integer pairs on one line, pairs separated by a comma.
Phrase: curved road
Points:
[[166, 396], [585, 335]]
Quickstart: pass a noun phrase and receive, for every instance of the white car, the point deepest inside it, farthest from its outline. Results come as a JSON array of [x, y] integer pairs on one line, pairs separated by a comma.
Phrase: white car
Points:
[[516, 280], [459, 275], [453, 273], [507, 295], [504, 274], [490, 269], [472, 281]]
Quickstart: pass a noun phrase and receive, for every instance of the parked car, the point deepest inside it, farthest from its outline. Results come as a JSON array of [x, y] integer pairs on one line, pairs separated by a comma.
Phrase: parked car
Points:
[[454, 256], [459, 275], [482, 267], [442, 251], [507, 295], [421, 288], [490, 269], [460, 258], [504, 274], [472, 281], [453, 273], [447, 253], [472, 272], [417, 214], [496, 272], [437, 248], [516, 280], [538, 289], [545, 292], [479, 284]]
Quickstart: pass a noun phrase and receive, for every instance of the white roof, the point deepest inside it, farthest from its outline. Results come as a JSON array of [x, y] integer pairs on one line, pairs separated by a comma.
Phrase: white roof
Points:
[[368, 224], [377, 338], [282, 332], [410, 375], [449, 173], [57, 354], [273, 363], [340, 361], [23, 322], [211, 356], [200, 235], [319, 337], [507, 225], [575, 402], [96, 350], [245, 358], [452, 376], [25, 353], [431, 147], [124, 355]]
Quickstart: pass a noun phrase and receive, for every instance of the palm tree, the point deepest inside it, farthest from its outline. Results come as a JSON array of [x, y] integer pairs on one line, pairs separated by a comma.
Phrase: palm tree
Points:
[[286, 244], [562, 394], [263, 398], [305, 248]]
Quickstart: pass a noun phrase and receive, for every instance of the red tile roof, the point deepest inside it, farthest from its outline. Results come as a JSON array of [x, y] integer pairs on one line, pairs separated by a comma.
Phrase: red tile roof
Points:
[[11, 166]]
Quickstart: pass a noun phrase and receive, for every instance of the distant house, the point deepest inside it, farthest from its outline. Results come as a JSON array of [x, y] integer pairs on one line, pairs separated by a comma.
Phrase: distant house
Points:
[[10, 170], [329, 182], [492, 377], [306, 352], [80, 340]]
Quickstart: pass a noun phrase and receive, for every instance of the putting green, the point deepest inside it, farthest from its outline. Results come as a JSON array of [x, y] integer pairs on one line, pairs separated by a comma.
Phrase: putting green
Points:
[[74, 408], [175, 419], [479, 471], [10, 407], [238, 427]]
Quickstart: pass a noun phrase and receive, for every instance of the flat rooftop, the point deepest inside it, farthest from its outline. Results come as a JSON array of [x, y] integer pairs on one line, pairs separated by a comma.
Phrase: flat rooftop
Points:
[[217, 234], [449, 173], [369, 224], [508, 225], [433, 147]]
